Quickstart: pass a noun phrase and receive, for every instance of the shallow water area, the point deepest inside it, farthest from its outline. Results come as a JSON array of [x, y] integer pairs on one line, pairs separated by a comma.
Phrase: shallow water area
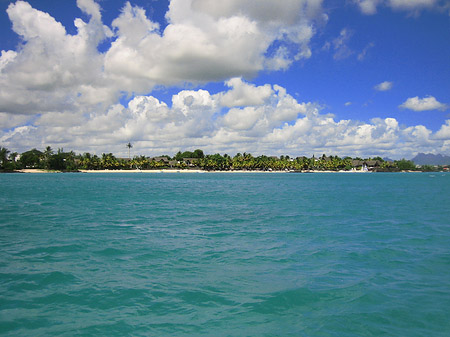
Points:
[[224, 254]]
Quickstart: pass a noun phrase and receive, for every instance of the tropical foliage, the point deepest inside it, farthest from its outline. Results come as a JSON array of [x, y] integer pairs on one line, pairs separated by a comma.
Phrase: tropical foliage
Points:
[[69, 161]]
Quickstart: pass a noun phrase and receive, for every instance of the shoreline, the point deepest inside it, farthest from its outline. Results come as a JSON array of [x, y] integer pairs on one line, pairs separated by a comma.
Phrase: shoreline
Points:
[[34, 171], [175, 171], [178, 171]]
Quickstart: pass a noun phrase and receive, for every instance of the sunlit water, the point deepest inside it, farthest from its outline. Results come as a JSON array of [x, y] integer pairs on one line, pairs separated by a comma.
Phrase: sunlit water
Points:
[[157, 254]]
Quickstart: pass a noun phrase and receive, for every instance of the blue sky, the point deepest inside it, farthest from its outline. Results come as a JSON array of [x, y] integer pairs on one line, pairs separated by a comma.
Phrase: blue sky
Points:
[[298, 77]]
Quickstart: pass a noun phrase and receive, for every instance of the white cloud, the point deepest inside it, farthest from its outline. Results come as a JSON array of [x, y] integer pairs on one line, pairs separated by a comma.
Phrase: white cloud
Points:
[[204, 41], [340, 45], [370, 6], [444, 131], [362, 55], [423, 104], [59, 90], [243, 119], [53, 71], [412, 4], [245, 94], [280, 60], [6, 57], [208, 41], [271, 122], [8, 121], [384, 86]]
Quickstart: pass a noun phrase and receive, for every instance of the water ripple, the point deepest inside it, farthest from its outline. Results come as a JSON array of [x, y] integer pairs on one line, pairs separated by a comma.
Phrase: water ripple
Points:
[[229, 255]]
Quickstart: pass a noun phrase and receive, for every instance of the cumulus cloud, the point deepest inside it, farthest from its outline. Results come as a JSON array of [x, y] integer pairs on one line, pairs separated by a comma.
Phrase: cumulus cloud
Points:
[[244, 94], [204, 41], [444, 131], [210, 41], [243, 118], [59, 90], [53, 71], [368, 6], [384, 86], [423, 104]]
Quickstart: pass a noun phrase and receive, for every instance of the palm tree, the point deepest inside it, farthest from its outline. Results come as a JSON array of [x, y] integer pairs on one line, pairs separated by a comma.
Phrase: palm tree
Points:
[[3, 156], [48, 151], [13, 156], [47, 155], [129, 146]]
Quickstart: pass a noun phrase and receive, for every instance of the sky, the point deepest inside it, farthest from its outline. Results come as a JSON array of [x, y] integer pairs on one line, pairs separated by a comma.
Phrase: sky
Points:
[[359, 78]]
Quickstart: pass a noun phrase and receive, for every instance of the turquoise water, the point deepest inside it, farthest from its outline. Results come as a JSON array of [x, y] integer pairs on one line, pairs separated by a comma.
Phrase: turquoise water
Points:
[[151, 254]]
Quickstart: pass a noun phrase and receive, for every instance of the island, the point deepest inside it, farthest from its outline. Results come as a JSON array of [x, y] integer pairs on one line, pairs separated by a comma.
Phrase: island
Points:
[[61, 161]]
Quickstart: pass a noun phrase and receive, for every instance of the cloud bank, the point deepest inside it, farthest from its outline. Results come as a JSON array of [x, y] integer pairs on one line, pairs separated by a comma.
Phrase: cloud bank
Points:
[[204, 41], [59, 89], [243, 118]]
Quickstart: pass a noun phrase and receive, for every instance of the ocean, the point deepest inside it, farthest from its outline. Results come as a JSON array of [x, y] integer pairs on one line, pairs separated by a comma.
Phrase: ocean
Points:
[[225, 254]]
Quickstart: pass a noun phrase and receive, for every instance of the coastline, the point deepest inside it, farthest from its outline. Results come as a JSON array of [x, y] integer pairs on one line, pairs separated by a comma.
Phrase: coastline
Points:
[[179, 171], [175, 171], [34, 171]]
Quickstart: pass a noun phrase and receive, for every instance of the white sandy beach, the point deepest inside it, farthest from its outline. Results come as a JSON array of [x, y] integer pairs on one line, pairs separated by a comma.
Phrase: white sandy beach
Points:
[[142, 171], [179, 171], [149, 171], [36, 171], [175, 171]]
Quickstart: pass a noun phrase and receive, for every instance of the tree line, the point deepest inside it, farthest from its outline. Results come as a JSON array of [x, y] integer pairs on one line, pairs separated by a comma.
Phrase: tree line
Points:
[[60, 160]]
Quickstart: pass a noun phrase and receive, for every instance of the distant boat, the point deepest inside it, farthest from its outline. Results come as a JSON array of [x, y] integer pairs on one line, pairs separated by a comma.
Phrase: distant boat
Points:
[[363, 169]]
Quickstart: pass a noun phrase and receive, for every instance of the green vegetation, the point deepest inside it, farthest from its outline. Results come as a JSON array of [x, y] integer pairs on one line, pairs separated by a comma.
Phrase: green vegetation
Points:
[[197, 154], [405, 165], [5, 164], [69, 161]]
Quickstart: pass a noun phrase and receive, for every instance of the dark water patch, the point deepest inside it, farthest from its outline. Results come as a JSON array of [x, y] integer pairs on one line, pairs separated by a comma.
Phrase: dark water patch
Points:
[[110, 252], [24, 282], [117, 327], [284, 301], [24, 326], [42, 278], [204, 297], [56, 277]]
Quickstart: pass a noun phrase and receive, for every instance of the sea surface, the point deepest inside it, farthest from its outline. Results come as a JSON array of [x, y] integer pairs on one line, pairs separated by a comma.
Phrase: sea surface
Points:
[[225, 254]]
